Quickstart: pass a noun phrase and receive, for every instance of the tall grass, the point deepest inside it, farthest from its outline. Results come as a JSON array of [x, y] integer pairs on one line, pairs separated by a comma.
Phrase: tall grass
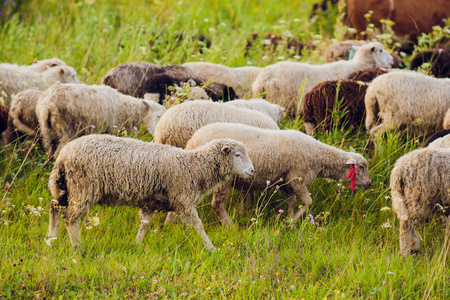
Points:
[[346, 248]]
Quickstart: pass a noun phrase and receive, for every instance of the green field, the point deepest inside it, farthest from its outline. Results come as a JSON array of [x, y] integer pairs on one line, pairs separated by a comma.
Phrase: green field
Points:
[[351, 249]]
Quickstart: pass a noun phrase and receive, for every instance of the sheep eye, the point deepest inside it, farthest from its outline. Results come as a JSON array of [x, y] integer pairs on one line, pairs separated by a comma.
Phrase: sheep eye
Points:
[[381, 50], [238, 154]]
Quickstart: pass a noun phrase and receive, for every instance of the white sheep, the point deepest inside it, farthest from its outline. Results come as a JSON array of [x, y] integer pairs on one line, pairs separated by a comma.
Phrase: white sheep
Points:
[[181, 121], [67, 111], [22, 116], [287, 158], [240, 79], [37, 66], [403, 98], [285, 83], [420, 184], [274, 111], [13, 81], [442, 142], [108, 170]]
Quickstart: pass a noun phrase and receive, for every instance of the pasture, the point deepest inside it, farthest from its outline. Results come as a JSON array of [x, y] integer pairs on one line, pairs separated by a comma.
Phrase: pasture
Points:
[[345, 246]]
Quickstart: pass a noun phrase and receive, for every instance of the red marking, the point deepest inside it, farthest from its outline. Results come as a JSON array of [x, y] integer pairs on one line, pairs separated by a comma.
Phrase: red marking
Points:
[[35, 61], [352, 175]]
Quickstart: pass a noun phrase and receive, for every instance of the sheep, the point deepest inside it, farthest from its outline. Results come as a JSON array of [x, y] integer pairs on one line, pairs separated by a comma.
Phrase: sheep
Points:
[[274, 111], [419, 183], [67, 111], [108, 170], [439, 59], [282, 82], [22, 117], [442, 142], [240, 79], [367, 75], [341, 50], [38, 66], [3, 117], [136, 79], [15, 81], [321, 100], [446, 124], [289, 156], [181, 121], [404, 98], [437, 136]]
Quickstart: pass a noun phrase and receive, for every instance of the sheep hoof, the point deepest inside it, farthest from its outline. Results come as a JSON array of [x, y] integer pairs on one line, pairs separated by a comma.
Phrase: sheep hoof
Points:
[[48, 241], [213, 250]]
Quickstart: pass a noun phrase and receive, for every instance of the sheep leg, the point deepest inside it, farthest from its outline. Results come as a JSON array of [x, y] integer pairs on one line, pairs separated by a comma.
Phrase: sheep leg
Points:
[[301, 191], [379, 129], [309, 127], [74, 212], [54, 220], [405, 238], [146, 216], [220, 197], [191, 217], [171, 218], [291, 202]]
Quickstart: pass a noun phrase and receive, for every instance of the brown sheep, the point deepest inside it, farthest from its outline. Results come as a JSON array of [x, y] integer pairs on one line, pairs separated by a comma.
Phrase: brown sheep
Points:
[[439, 59], [320, 101], [3, 117]]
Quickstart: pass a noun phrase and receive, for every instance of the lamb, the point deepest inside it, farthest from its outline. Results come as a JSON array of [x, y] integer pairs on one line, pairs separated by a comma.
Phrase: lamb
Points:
[[15, 81], [405, 97], [274, 111], [321, 100], [22, 117], [108, 170], [3, 117], [419, 183], [240, 79], [181, 121], [38, 66], [67, 111], [286, 82], [288, 155], [137, 79], [439, 59]]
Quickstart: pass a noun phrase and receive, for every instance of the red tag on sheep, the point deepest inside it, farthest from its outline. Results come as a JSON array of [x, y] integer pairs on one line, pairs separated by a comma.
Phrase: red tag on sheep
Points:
[[352, 175], [35, 61]]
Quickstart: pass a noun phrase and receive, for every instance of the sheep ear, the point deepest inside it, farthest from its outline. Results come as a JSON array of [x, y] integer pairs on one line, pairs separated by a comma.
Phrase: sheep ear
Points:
[[282, 109], [372, 49], [226, 149], [146, 105], [350, 161]]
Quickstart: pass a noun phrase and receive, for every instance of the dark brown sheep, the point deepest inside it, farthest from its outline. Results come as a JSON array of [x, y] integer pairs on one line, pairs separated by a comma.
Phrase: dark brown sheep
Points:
[[367, 75], [439, 59], [320, 101]]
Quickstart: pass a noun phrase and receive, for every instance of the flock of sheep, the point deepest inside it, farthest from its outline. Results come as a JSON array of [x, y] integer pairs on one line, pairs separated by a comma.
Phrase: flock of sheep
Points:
[[216, 140]]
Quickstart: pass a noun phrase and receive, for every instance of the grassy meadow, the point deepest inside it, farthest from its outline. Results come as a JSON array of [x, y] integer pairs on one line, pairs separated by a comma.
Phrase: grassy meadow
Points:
[[346, 246]]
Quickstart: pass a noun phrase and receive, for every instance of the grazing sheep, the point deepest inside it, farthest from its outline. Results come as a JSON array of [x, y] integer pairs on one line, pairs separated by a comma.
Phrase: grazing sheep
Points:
[[420, 183], [282, 82], [321, 100], [439, 134], [67, 111], [3, 117], [181, 121], [293, 156], [240, 79], [15, 81], [108, 170], [367, 75], [137, 79], [402, 98], [274, 111], [22, 116], [38, 66], [439, 59]]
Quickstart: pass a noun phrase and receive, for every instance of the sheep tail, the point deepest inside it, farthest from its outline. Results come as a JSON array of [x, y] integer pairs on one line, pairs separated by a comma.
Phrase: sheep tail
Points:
[[57, 183], [372, 109], [19, 124]]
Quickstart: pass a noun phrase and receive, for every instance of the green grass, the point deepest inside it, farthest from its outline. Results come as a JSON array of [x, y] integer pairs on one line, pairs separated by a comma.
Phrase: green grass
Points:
[[351, 253]]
